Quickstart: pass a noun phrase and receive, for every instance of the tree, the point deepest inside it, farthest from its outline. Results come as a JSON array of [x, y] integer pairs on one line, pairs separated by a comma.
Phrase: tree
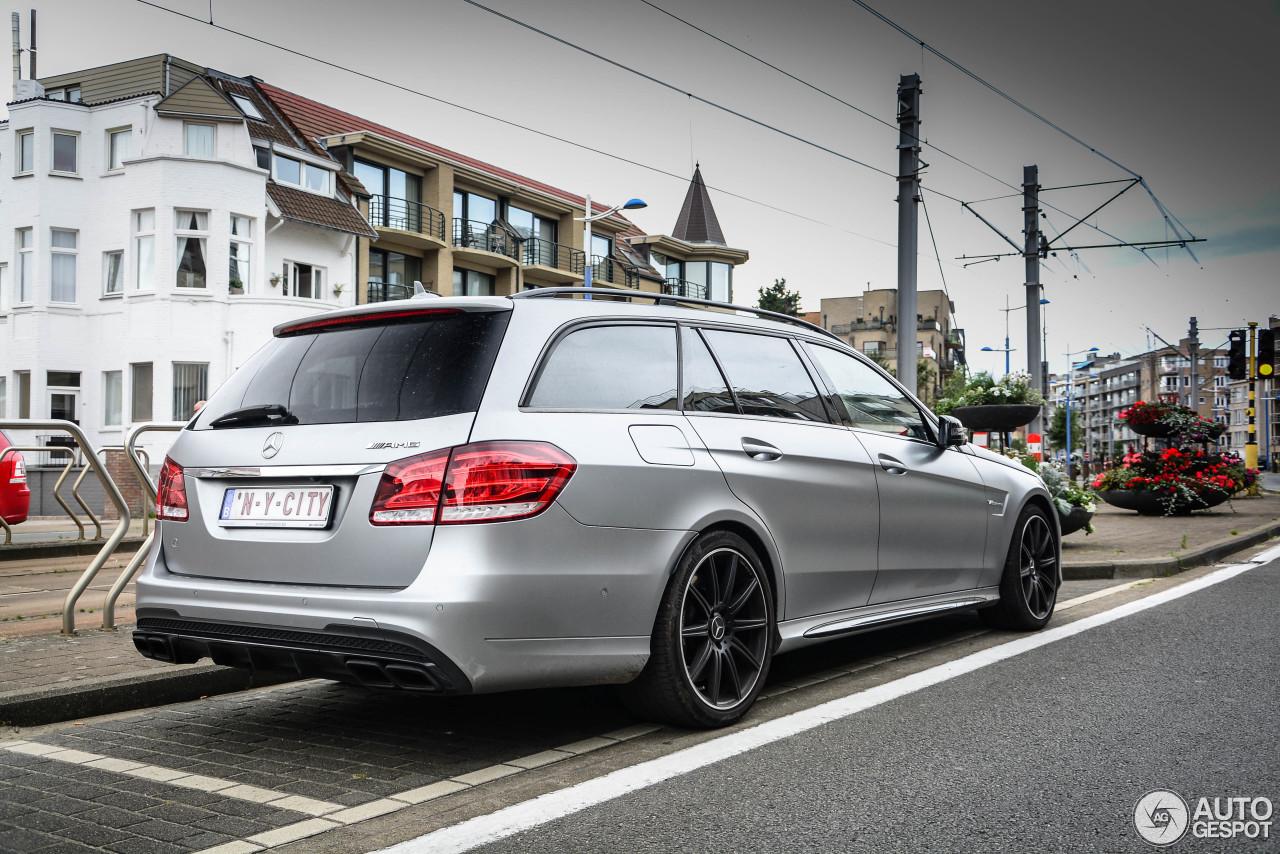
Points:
[[1058, 428], [777, 298]]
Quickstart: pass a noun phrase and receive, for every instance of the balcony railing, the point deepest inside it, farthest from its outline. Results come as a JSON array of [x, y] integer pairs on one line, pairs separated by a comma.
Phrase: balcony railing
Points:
[[545, 253], [609, 271], [487, 236], [406, 215], [388, 291], [684, 288]]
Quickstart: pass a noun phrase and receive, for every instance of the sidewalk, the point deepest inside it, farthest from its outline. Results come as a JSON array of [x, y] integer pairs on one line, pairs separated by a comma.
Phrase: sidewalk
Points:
[[45, 677]]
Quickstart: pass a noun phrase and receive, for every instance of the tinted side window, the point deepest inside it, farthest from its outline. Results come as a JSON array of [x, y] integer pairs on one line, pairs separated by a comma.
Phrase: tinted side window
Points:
[[610, 367], [767, 375], [704, 387], [869, 401]]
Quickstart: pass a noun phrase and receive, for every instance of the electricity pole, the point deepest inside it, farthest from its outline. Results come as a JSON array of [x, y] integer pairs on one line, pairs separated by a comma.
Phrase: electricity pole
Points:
[[908, 224], [1031, 252]]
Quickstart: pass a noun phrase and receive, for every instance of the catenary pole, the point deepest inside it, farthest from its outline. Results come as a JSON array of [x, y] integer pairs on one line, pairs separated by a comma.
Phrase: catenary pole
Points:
[[908, 223]]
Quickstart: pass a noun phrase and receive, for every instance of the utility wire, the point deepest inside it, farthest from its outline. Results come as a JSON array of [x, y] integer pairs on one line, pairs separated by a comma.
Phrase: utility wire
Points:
[[508, 122]]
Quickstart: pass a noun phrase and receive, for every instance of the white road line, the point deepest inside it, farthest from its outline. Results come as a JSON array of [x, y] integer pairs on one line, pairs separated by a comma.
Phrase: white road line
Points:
[[554, 805]]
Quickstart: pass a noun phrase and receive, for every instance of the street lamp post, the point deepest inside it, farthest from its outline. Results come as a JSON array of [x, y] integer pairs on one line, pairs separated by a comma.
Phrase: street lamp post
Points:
[[1071, 383], [587, 218]]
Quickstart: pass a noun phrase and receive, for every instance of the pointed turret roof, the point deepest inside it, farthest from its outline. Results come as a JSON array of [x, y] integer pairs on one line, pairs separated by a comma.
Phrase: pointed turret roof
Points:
[[697, 222]]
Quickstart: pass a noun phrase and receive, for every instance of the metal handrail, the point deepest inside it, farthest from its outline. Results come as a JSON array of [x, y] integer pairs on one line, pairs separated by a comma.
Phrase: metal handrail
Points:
[[548, 253], [388, 291], [75, 493], [54, 450], [603, 270], [489, 237], [406, 215], [109, 606], [113, 492], [684, 288]]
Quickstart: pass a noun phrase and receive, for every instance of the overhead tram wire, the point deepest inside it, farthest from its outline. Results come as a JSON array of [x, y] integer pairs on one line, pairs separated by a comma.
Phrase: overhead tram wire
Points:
[[375, 79], [1169, 218]]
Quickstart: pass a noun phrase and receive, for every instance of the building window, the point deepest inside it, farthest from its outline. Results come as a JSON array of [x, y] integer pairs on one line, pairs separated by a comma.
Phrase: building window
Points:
[[65, 152], [4, 399], [263, 157], [241, 251], [26, 151], [112, 389], [113, 273], [64, 393], [392, 274], [247, 107], [469, 283], [192, 228], [25, 264], [305, 175], [303, 280], [721, 282], [140, 391], [198, 139], [190, 386], [23, 379], [397, 196], [873, 348], [65, 93], [63, 266], [119, 143], [144, 249], [6, 299]]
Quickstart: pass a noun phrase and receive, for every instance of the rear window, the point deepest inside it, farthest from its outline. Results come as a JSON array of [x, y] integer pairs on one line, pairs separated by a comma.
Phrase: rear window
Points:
[[423, 367], [610, 367]]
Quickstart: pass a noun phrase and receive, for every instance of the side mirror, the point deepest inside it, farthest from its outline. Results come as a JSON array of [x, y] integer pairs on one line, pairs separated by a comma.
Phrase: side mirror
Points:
[[950, 431]]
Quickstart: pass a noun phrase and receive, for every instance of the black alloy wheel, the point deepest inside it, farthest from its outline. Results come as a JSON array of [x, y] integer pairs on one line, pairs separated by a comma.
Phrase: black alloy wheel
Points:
[[1029, 585], [713, 638]]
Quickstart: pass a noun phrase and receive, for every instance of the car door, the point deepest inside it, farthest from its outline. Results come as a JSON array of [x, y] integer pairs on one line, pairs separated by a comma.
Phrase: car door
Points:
[[933, 504], [770, 433]]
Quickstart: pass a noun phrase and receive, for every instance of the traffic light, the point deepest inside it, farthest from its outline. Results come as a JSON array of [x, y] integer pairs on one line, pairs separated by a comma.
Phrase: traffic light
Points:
[[1266, 354], [1237, 358]]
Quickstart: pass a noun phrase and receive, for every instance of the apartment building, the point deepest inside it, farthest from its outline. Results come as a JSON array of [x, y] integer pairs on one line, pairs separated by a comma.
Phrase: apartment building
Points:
[[869, 322], [160, 218]]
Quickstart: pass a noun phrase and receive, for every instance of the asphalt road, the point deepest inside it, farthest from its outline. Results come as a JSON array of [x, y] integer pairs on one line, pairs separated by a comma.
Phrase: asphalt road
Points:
[[1046, 751]]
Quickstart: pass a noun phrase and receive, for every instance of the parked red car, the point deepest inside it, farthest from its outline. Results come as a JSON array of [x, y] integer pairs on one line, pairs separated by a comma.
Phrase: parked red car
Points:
[[15, 498]]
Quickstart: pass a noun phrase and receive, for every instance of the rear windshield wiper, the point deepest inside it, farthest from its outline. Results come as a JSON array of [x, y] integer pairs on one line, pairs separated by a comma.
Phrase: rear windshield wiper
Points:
[[264, 413]]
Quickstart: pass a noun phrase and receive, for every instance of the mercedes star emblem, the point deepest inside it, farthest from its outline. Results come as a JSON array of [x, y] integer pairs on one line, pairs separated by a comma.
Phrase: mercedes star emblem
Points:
[[271, 447]]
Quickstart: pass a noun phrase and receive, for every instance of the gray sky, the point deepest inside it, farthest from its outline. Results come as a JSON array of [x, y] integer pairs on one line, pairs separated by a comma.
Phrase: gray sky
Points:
[[1180, 92]]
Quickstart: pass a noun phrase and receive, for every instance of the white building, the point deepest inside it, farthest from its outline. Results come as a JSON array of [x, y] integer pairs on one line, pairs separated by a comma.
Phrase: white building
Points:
[[133, 199]]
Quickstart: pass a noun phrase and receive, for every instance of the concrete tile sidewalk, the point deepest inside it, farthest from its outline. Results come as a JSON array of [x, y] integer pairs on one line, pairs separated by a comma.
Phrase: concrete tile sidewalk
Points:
[[45, 677]]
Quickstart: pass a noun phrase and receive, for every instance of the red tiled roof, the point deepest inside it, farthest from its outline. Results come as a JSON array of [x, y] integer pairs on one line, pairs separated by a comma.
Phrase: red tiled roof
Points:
[[313, 119]]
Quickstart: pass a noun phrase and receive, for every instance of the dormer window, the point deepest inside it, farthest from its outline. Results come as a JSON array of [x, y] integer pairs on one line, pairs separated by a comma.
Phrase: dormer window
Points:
[[247, 107], [300, 174], [65, 93]]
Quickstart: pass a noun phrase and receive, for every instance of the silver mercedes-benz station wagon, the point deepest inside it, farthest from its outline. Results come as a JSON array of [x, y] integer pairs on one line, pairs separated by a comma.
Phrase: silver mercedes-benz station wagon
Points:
[[476, 494]]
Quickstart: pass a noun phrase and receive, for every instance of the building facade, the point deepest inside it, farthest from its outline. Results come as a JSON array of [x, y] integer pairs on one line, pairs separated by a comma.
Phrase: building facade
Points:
[[869, 323], [161, 218]]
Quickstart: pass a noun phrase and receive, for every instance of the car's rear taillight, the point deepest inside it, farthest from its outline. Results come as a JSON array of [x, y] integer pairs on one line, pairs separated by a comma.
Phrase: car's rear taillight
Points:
[[482, 482], [171, 495], [19, 473], [409, 492]]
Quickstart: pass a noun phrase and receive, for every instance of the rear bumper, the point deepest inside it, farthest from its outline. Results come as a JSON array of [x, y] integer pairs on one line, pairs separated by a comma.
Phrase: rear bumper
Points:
[[367, 657], [541, 602]]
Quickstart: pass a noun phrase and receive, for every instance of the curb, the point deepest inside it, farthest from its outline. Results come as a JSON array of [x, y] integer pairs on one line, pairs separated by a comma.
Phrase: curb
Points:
[[107, 695], [68, 548], [1166, 566]]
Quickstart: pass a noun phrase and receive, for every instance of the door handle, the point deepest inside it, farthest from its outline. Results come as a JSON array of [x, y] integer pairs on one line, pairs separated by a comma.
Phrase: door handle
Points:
[[762, 451], [891, 465]]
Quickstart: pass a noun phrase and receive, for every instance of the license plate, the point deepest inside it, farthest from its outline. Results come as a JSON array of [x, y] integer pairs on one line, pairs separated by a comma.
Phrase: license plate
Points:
[[276, 507]]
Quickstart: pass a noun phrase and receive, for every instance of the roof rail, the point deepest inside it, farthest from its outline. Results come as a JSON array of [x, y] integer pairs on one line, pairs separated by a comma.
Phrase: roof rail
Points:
[[668, 299]]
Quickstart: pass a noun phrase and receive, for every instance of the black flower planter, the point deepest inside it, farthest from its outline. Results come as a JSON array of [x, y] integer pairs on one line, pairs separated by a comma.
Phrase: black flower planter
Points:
[[1155, 430], [1148, 503], [1075, 520], [998, 418]]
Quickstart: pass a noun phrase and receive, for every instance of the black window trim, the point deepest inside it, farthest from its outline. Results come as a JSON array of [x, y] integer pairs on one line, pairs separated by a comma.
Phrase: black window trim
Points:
[[818, 385]]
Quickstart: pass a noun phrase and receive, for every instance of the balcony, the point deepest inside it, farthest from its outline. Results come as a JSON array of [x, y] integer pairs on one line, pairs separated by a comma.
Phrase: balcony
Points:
[[609, 271], [485, 243], [388, 291], [409, 221], [955, 338], [554, 261], [683, 288]]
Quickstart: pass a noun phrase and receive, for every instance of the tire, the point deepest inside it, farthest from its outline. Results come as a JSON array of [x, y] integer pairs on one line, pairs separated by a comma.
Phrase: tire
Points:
[[712, 640], [1029, 584]]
